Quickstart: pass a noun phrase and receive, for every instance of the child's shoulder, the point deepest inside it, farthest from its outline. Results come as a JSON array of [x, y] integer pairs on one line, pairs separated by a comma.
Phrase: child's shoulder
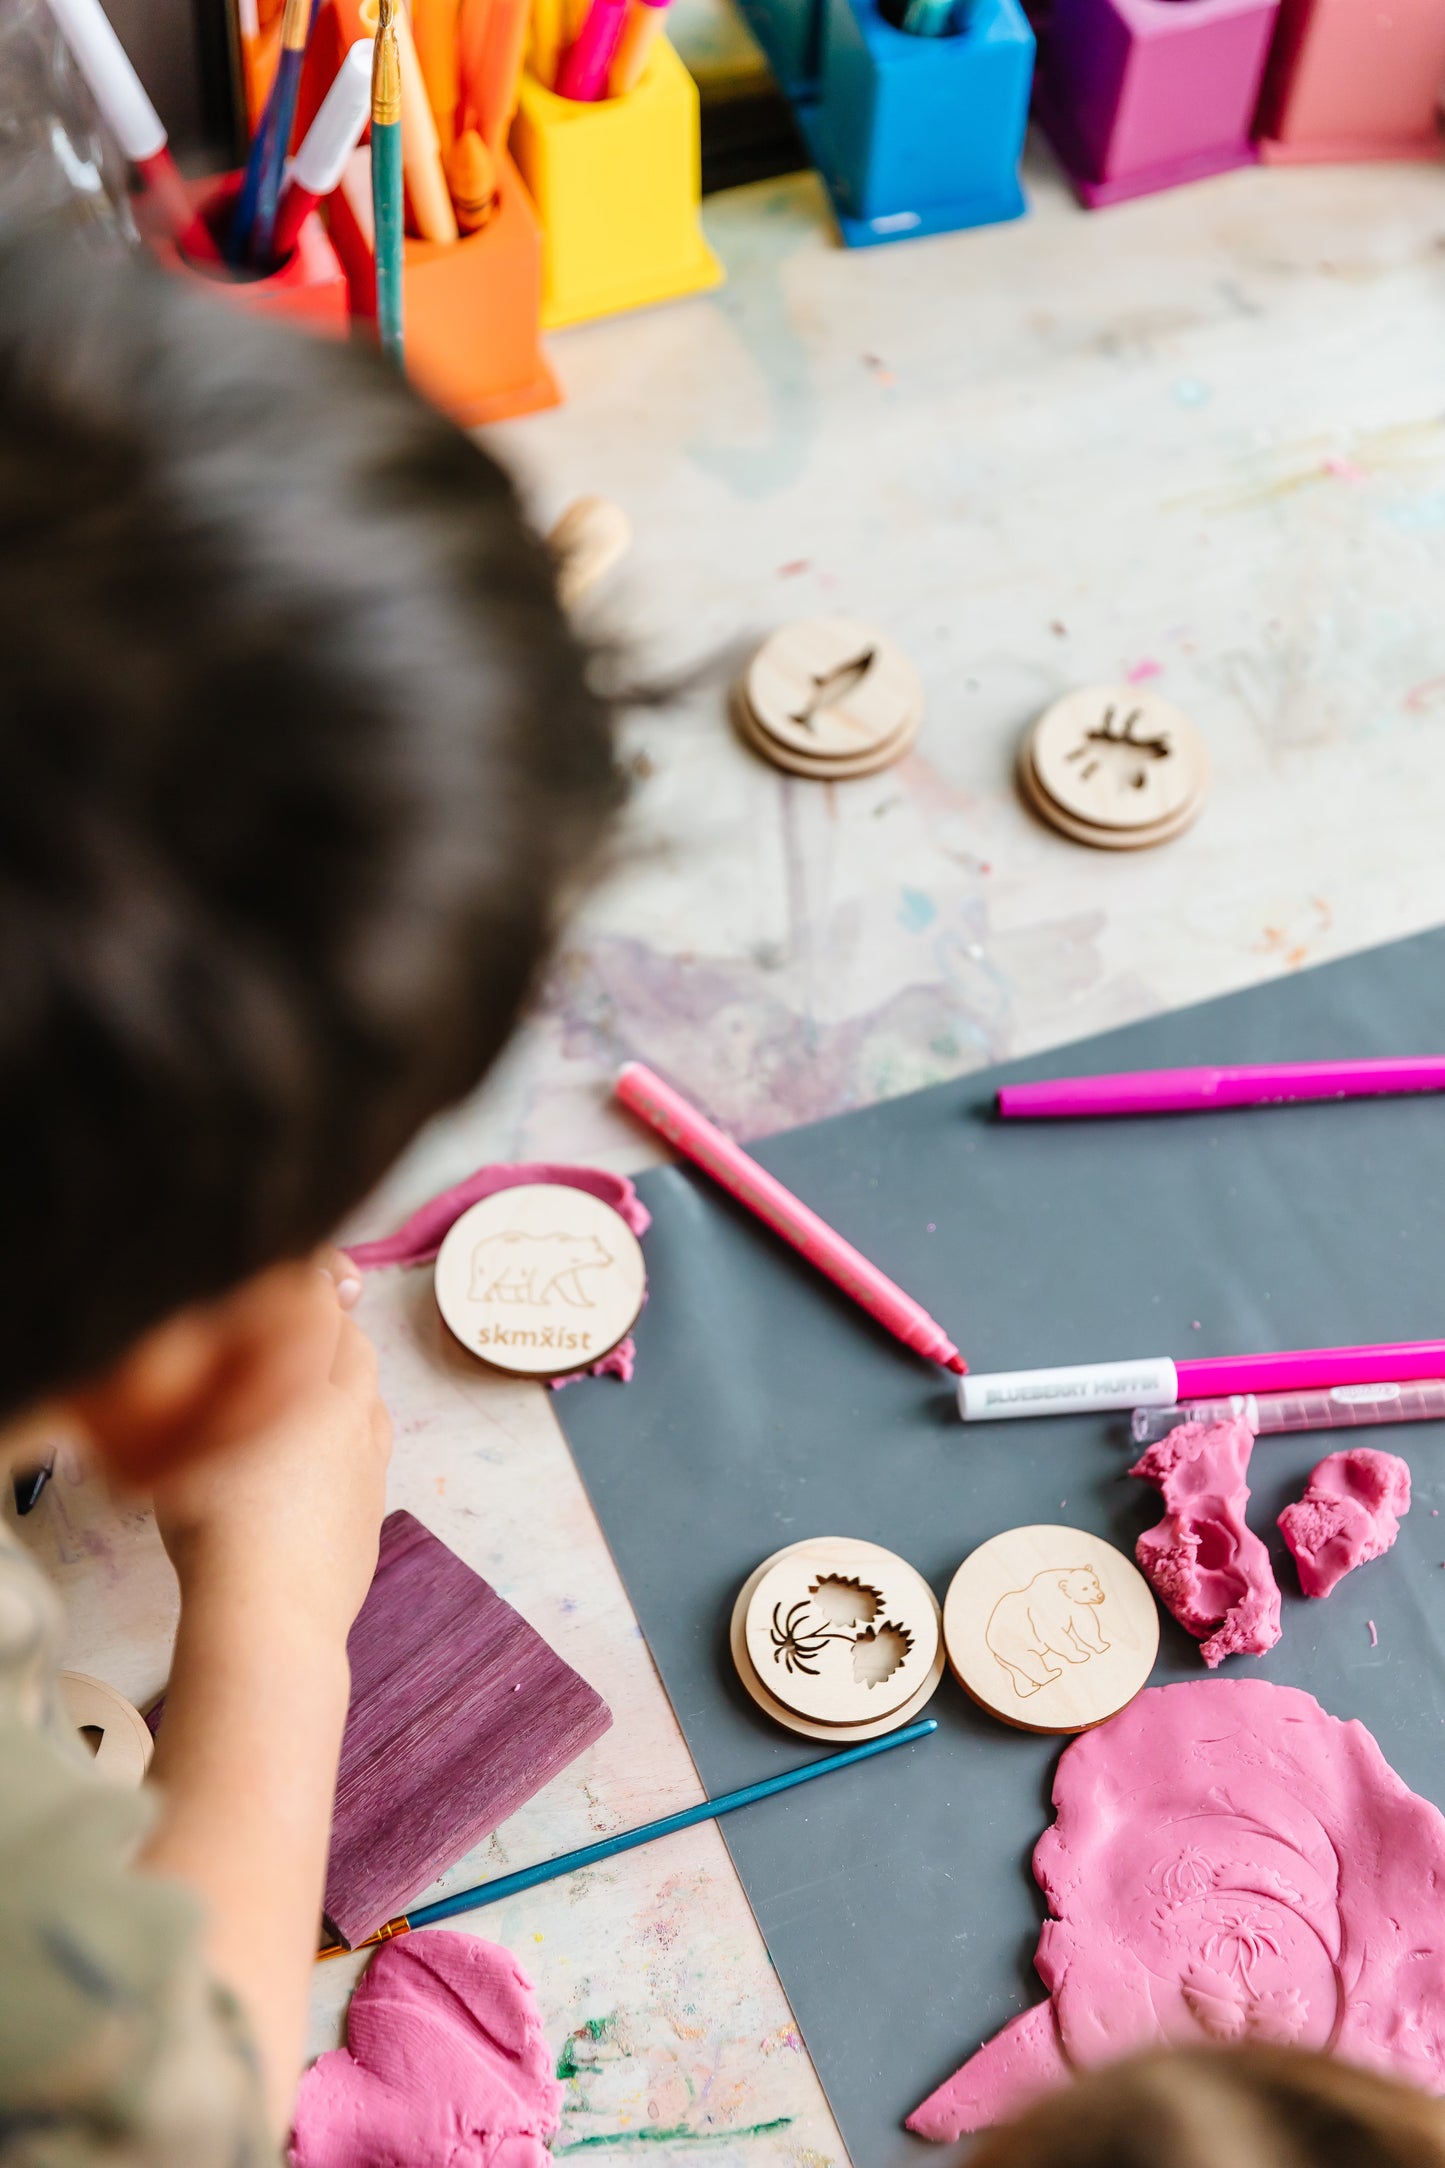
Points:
[[108, 2024]]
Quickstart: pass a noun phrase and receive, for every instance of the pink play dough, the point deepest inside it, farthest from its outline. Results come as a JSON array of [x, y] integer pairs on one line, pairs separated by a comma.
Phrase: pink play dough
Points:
[[1350, 1512], [1228, 1862], [444, 2065], [1212, 1572]]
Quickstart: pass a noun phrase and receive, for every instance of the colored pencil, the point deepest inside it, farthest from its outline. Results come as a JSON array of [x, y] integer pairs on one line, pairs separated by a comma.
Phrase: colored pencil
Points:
[[434, 33], [426, 183], [1155, 1381], [640, 33], [472, 178], [1183, 1091], [549, 36], [588, 60], [669, 1114], [709, 1810], [928, 18], [253, 233], [121, 97], [493, 100], [328, 143], [386, 183]]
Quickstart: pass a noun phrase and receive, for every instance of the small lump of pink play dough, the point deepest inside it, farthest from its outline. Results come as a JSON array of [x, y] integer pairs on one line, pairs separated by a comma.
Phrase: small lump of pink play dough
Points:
[[1227, 1863], [1350, 1512], [444, 2064], [1201, 1560]]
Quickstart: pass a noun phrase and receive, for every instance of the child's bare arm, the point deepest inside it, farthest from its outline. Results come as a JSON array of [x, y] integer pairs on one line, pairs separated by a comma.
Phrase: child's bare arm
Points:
[[274, 1543]]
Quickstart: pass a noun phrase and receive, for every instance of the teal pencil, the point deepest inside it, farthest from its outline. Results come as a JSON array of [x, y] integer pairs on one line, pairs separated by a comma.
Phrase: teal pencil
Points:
[[710, 1810], [386, 181]]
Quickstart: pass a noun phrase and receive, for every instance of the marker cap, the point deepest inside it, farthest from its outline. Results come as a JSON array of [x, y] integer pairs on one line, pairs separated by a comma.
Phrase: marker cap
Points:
[[114, 84], [992, 1397], [336, 130]]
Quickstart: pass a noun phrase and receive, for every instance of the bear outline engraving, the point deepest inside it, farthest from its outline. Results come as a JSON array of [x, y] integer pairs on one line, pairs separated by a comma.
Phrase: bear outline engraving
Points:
[[1053, 1616], [515, 1266]]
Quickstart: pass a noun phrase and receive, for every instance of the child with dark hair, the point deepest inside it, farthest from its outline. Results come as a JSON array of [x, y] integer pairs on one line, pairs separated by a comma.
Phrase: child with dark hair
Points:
[[1225, 2108], [298, 754]]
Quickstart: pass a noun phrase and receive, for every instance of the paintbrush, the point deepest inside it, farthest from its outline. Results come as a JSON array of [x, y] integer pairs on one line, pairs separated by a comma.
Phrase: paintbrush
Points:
[[709, 1810], [386, 182], [255, 227]]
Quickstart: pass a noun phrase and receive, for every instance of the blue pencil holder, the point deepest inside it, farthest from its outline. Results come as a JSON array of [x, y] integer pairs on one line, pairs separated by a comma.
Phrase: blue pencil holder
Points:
[[790, 33], [921, 135]]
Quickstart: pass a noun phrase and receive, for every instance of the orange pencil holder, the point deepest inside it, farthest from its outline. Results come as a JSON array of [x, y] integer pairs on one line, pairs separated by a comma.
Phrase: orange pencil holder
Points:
[[617, 187], [470, 310], [309, 288]]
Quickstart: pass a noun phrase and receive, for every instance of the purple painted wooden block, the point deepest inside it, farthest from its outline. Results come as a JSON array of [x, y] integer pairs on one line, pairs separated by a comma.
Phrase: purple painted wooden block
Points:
[[1138, 95], [460, 1713]]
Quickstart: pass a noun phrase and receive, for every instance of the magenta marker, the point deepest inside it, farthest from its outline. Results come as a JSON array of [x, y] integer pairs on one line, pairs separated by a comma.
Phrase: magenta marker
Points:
[[1193, 1091], [588, 59], [1155, 1381]]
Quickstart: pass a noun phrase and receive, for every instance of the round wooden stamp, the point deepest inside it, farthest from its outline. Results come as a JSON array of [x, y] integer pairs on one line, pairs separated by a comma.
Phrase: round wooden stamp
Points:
[[837, 1639], [540, 1279], [829, 698], [1115, 767], [1051, 1629], [115, 1730]]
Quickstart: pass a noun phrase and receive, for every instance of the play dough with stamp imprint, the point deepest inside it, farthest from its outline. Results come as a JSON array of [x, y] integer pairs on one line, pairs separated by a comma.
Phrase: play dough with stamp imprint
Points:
[[540, 1279], [1051, 1629], [1228, 1863], [837, 1639]]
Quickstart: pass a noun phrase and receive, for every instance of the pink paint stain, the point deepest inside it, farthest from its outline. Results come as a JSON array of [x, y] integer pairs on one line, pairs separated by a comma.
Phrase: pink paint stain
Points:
[[1343, 470], [1421, 698], [1228, 1863], [444, 2063], [1141, 672]]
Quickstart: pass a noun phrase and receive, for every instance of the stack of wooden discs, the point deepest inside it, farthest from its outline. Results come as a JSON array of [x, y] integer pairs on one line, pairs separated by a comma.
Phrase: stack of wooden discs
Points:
[[838, 1639], [1114, 767], [830, 699]]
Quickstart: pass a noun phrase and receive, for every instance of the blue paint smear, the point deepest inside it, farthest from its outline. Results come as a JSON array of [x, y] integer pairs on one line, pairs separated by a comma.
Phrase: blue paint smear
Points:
[[916, 910]]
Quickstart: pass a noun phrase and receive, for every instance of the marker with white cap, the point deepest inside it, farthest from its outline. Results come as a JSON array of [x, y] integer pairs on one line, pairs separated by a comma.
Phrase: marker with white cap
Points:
[[121, 96], [330, 140], [1155, 1381]]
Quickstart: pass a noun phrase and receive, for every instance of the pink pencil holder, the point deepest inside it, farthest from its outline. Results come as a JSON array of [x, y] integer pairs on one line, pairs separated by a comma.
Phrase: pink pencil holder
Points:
[[309, 288], [1354, 79], [1139, 95]]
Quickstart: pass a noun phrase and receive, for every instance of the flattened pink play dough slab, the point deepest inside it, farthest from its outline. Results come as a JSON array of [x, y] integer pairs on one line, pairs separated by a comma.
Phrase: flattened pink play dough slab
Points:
[[1350, 1512], [1228, 1862], [444, 2067], [1211, 1571]]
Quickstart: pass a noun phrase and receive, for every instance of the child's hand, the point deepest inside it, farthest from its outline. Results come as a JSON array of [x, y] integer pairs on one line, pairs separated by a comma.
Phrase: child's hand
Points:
[[289, 1516]]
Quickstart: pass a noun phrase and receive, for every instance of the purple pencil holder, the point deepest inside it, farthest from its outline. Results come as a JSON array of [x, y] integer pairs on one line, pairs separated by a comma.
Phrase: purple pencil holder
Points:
[[1139, 95]]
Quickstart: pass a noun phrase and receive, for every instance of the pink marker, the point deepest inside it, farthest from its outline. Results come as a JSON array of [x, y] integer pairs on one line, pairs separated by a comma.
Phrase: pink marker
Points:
[[133, 120], [695, 1137], [587, 62], [1187, 1091], [1154, 1381]]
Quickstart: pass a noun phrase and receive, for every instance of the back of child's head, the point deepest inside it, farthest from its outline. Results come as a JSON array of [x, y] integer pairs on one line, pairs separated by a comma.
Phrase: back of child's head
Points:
[[297, 751], [1225, 2108]]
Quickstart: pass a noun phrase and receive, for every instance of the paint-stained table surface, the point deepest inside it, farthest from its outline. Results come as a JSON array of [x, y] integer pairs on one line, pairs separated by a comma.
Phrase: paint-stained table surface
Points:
[[1200, 439]]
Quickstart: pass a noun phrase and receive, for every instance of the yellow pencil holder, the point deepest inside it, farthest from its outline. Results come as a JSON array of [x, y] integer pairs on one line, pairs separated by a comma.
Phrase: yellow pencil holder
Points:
[[617, 187]]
